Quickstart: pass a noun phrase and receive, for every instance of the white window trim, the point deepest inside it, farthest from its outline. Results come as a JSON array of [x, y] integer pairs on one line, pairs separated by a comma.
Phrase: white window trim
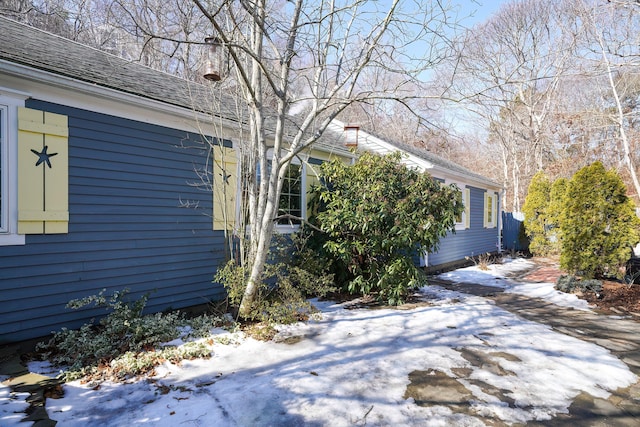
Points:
[[494, 209], [297, 160], [9, 103], [462, 225]]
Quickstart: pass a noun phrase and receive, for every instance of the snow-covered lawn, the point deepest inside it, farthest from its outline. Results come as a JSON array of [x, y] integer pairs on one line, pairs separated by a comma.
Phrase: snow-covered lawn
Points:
[[352, 366]]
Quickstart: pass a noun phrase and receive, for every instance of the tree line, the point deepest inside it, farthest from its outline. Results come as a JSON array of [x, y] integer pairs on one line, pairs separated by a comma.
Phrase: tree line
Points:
[[541, 85]]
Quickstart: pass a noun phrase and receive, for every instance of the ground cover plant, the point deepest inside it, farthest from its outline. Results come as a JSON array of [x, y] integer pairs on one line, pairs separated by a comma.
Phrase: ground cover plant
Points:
[[125, 342]]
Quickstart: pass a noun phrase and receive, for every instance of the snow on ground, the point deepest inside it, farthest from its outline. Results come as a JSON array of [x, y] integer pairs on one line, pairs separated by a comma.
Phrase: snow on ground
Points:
[[352, 366], [12, 406], [496, 276]]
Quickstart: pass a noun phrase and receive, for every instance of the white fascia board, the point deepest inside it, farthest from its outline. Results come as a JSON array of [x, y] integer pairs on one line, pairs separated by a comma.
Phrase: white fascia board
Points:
[[472, 181], [377, 145], [64, 90], [372, 143]]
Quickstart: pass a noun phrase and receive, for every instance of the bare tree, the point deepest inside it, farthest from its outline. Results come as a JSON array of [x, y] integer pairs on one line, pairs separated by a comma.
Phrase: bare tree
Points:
[[48, 15], [314, 59], [611, 57], [512, 66]]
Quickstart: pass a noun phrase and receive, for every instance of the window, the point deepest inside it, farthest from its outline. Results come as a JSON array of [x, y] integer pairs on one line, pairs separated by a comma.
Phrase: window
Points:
[[490, 209], [292, 199], [9, 103], [290, 202], [462, 220]]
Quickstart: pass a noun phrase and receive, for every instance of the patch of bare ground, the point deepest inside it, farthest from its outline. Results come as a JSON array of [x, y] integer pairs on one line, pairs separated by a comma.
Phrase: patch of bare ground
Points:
[[616, 297]]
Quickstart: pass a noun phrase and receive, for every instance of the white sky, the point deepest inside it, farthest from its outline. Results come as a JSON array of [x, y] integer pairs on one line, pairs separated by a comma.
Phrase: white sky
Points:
[[352, 365]]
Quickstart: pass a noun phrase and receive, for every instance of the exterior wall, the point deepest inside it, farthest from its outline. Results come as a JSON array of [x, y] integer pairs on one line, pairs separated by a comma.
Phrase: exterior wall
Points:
[[127, 228], [473, 241]]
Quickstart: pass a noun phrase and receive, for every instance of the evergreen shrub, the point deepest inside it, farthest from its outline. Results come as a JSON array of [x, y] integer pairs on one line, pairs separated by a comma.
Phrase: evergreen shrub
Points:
[[598, 224], [536, 217], [376, 216]]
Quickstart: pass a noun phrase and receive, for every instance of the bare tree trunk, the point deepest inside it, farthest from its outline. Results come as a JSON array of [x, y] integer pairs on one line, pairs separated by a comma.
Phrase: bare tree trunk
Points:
[[619, 120]]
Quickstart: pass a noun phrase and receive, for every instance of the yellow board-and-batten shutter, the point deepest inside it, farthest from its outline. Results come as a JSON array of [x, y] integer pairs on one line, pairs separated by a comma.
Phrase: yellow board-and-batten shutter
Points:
[[467, 208], [43, 172], [225, 187]]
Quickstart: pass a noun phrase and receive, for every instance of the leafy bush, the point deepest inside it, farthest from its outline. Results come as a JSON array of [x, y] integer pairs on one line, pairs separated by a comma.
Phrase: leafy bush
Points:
[[375, 216], [124, 331], [598, 223], [285, 288]]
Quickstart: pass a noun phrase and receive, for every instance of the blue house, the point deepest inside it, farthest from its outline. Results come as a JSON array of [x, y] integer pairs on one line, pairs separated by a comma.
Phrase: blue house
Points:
[[100, 162], [110, 179]]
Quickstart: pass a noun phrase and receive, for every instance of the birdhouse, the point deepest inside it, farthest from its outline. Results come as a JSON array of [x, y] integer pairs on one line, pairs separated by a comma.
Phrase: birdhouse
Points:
[[213, 62], [351, 135]]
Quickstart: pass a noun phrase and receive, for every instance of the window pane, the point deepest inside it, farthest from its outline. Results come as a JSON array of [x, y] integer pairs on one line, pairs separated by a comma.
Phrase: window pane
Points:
[[459, 216]]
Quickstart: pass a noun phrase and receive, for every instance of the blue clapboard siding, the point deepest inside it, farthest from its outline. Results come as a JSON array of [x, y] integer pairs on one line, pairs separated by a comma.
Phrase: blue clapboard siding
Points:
[[127, 228], [473, 241]]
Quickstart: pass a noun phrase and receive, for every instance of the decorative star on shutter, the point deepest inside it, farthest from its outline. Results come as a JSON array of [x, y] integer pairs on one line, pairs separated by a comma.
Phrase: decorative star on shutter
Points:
[[225, 187], [43, 156], [225, 177]]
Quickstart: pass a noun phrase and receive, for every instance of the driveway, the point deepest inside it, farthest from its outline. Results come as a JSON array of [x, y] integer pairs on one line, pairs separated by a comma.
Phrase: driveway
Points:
[[618, 334]]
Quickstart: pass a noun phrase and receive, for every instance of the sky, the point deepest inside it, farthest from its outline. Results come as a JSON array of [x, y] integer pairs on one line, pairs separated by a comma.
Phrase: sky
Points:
[[478, 11], [352, 367]]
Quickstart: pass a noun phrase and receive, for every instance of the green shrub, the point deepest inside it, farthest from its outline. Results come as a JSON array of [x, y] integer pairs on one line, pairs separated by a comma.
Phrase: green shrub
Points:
[[375, 216], [554, 213], [124, 331], [285, 288], [598, 224], [536, 216], [571, 284]]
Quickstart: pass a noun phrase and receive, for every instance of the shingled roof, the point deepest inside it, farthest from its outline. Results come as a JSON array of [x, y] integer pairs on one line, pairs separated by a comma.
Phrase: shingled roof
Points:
[[442, 162], [32, 47], [35, 48]]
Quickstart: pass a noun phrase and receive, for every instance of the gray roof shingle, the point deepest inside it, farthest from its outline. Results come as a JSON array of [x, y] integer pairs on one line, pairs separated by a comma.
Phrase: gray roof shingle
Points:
[[32, 47]]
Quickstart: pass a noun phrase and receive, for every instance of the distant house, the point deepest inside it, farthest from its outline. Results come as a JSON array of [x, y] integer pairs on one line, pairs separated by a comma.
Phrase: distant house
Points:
[[107, 182]]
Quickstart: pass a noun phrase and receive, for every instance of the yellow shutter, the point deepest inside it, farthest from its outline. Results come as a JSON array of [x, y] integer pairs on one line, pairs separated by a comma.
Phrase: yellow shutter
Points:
[[43, 176], [486, 208], [467, 208], [225, 187], [494, 205]]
